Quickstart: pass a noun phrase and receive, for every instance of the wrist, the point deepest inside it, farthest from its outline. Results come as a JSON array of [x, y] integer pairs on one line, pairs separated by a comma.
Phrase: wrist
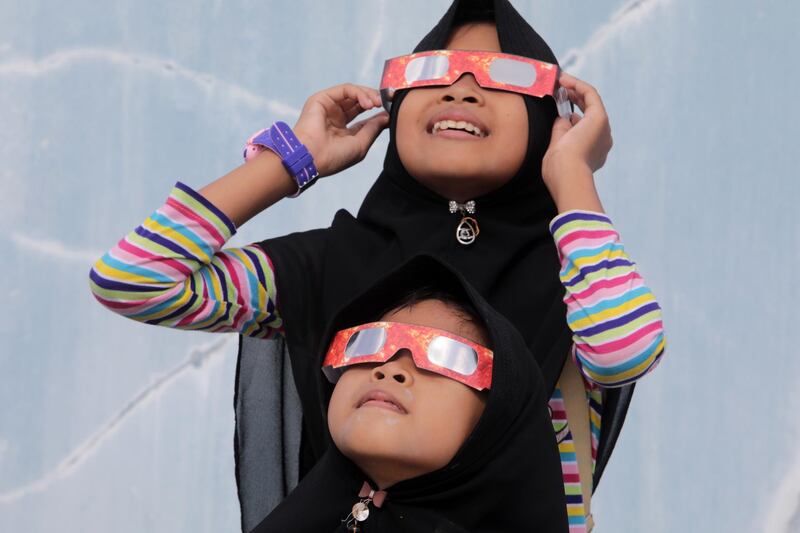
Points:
[[557, 166], [294, 155], [269, 165], [572, 186], [314, 149]]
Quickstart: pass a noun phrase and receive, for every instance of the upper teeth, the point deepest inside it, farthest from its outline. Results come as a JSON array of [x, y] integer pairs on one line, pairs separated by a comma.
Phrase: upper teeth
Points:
[[458, 125]]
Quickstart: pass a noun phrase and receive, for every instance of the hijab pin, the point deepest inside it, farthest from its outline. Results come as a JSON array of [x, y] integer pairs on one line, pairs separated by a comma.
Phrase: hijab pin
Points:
[[360, 511], [467, 230]]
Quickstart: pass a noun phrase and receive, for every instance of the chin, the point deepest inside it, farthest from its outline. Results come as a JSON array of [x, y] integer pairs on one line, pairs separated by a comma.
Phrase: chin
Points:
[[380, 459], [394, 443], [391, 465], [368, 433]]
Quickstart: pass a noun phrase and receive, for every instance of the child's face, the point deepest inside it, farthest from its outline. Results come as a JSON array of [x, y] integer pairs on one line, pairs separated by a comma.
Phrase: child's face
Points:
[[416, 420], [456, 164]]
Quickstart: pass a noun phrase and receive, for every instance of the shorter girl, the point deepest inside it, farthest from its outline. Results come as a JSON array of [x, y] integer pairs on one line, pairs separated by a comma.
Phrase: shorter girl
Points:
[[431, 429]]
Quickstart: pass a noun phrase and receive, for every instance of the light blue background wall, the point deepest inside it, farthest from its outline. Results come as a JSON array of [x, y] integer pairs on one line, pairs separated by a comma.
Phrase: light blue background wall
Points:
[[109, 425]]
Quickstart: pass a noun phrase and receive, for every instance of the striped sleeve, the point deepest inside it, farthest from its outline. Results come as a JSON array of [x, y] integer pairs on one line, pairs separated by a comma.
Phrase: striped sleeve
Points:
[[615, 319], [172, 271]]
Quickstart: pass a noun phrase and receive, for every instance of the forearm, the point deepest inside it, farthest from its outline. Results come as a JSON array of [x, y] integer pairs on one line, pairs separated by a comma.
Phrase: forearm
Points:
[[171, 271], [615, 318], [572, 187], [251, 188]]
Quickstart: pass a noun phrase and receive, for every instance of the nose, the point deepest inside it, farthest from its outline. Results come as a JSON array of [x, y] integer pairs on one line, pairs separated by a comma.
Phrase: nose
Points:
[[394, 369], [465, 89]]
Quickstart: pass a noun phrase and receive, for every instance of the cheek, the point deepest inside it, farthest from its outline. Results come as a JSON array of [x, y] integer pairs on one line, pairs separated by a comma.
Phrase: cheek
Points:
[[454, 411], [336, 411], [515, 130], [408, 132], [458, 411], [340, 406]]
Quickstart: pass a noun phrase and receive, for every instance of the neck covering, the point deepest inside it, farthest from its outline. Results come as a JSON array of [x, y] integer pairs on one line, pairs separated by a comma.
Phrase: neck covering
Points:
[[506, 477], [513, 264]]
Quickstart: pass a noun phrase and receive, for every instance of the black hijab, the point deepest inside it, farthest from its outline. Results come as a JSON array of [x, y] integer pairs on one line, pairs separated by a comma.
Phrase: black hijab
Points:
[[505, 478], [513, 264]]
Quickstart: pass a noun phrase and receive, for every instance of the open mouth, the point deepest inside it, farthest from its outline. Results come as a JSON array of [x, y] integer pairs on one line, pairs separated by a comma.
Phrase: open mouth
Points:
[[381, 400], [457, 129]]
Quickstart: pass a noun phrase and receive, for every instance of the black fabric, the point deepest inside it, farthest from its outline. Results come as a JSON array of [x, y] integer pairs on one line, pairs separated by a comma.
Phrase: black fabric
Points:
[[505, 478], [513, 263], [267, 440]]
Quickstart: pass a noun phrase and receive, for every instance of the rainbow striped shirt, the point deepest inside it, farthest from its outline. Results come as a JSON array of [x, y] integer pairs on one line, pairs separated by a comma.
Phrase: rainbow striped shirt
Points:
[[614, 317], [617, 331], [173, 271]]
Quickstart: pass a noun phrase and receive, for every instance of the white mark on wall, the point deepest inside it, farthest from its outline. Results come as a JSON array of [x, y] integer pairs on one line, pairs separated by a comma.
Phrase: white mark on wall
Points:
[[782, 509], [784, 514], [55, 249], [197, 358], [366, 74], [630, 14], [159, 66]]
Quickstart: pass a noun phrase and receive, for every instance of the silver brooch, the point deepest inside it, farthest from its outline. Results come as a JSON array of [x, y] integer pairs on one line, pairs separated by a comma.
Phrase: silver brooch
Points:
[[467, 230], [468, 207]]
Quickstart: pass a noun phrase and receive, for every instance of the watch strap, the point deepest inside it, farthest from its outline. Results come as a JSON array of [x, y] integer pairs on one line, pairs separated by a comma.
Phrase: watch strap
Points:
[[295, 156]]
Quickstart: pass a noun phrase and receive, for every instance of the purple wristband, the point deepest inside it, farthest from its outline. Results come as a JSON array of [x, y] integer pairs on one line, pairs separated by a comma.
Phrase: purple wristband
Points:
[[295, 156]]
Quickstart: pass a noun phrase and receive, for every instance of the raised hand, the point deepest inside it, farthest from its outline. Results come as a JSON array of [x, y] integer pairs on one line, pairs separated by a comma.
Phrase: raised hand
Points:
[[323, 126], [578, 148]]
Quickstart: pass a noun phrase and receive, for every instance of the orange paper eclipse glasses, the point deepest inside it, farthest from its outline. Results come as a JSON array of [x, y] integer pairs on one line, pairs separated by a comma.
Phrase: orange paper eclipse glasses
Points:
[[433, 349], [492, 70]]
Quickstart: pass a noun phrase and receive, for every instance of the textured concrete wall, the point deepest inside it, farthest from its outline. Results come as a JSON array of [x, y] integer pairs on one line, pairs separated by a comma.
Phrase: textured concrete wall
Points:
[[110, 425]]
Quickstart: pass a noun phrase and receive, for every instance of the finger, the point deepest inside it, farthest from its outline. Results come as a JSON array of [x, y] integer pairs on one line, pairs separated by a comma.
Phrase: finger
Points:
[[359, 107], [567, 80], [586, 96], [348, 99], [367, 130], [379, 121], [352, 108], [574, 118], [339, 96], [560, 127], [367, 97], [576, 99], [352, 111], [373, 94]]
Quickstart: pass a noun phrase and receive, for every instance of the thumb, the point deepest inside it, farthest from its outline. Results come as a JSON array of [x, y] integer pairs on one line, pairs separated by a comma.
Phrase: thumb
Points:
[[367, 130], [560, 127]]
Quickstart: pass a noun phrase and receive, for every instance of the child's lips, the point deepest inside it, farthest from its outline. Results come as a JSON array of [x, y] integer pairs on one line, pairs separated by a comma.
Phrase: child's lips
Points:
[[456, 122], [459, 135], [382, 405], [381, 399]]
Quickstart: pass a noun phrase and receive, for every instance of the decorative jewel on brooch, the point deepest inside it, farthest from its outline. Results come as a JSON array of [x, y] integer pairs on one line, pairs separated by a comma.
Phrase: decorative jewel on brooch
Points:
[[467, 230], [360, 511]]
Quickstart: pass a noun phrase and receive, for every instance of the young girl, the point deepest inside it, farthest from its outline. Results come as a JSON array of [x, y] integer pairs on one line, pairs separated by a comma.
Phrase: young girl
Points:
[[437, 421], [507, 184]]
